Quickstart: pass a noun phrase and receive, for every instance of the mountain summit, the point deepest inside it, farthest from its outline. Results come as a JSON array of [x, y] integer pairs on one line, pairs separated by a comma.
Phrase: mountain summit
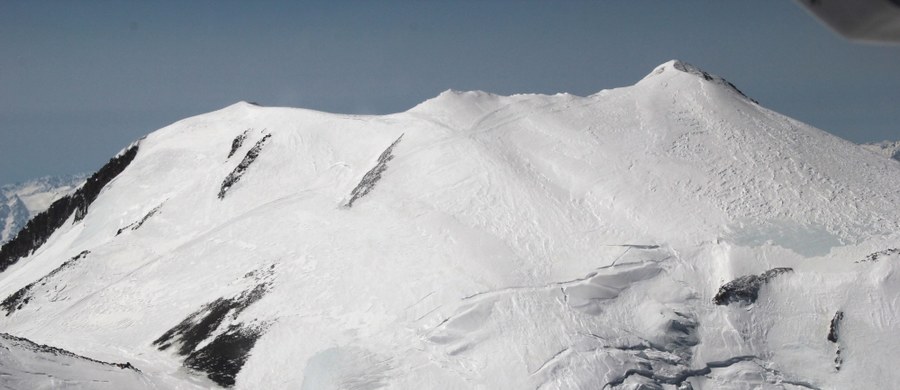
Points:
[[678, 68], [673, 234]]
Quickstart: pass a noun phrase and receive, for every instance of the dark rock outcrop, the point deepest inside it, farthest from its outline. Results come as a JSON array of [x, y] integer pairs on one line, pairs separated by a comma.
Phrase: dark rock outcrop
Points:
[[874, 257], [222, 357], [745, 289], [42, 226], [138, 224], [373, 175], [238, 142], [238, 171], [834, 333], [835, 328]]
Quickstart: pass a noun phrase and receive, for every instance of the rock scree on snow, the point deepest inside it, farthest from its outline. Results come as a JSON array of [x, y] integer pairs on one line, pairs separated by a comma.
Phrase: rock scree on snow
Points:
[[239, 170], [137, 224], [368, 181], [222, 357], [237, 143]]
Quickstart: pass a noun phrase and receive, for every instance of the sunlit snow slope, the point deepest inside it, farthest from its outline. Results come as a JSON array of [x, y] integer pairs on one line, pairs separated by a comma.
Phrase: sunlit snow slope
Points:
[[671, 234]]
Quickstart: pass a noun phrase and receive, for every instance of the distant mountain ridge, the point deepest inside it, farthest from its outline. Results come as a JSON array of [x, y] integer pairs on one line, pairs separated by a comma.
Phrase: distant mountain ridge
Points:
[[21, 201]]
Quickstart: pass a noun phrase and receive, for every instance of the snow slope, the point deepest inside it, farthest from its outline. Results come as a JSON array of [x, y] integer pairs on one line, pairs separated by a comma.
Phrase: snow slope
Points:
[[19, 202], [26, 365], [484, 241]]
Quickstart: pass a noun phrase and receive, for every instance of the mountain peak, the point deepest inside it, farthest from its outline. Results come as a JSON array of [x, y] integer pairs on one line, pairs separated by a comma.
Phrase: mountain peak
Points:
[[683, 68]]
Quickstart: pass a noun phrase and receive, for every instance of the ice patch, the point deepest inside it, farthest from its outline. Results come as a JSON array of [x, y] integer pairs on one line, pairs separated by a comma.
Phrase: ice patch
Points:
[[807, 241], [345, 368]]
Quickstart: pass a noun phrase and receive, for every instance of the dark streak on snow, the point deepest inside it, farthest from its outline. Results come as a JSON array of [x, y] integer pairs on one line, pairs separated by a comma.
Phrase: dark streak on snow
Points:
[[834, 332], [238, 171], [638, 246], [373, 175], [20, 298], [237, 142], [46, 349], [745, 289], [42, 226], [874, 257], [138, 224], [223, 357]]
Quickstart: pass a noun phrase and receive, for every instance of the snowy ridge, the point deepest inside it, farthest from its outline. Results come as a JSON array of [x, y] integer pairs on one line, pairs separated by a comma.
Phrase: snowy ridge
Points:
[[887, 148], [27, 365], [504, 242]]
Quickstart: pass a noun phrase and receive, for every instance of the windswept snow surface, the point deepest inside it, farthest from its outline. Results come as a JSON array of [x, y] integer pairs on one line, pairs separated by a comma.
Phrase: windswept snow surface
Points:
[[510, 242]]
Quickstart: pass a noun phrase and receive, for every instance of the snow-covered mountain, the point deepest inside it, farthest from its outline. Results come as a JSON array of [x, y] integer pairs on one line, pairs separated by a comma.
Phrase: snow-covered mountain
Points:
[[887, 148], [19, 202], [670, 234]]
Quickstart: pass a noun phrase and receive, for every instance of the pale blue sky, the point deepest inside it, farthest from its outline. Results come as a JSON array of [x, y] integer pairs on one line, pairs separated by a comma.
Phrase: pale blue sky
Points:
[[81, 80]]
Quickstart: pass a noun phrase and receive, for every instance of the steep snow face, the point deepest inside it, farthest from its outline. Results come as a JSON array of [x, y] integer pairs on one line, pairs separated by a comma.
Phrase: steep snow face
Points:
[[484, 241], [19, 202]]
